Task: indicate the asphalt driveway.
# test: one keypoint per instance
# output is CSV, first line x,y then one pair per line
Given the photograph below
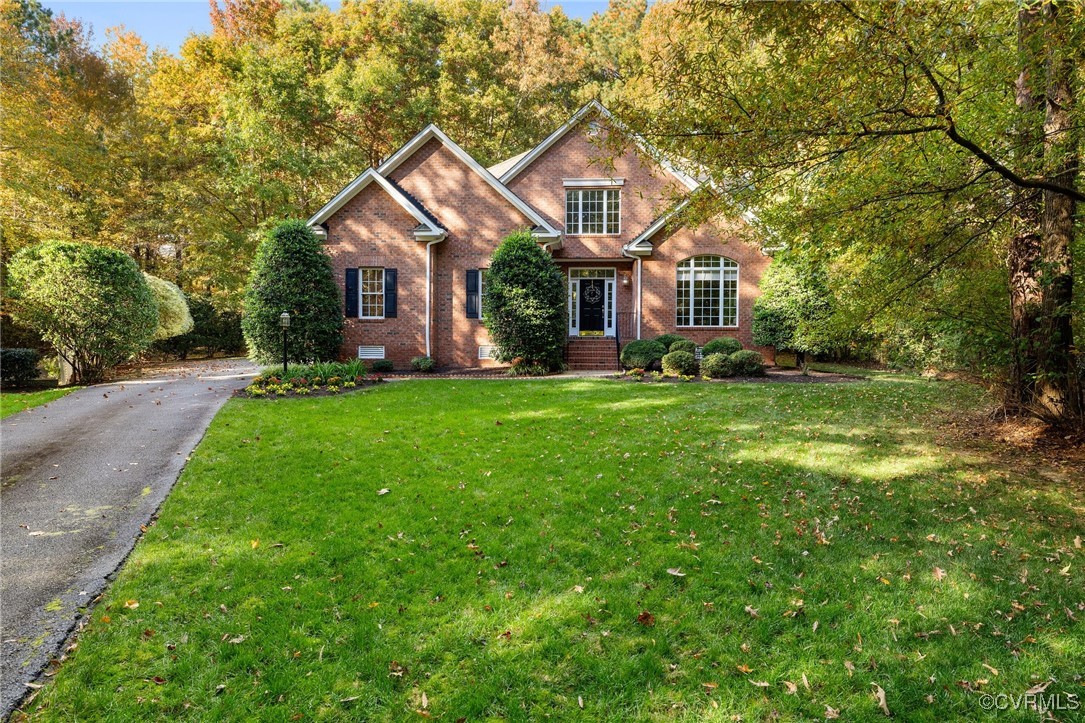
x,y
79,477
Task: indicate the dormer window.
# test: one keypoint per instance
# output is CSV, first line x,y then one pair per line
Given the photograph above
x,y
591,211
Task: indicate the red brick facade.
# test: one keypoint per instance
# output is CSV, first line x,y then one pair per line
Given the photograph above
x,y
375,229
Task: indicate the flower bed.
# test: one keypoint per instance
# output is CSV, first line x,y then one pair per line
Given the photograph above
x,y
317,380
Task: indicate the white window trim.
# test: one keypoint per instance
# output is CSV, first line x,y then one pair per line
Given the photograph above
x,y
738,297
580,211
361,293
592,182
481,293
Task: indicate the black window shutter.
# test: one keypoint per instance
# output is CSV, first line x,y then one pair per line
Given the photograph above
x,y
472,293
351,286
390,293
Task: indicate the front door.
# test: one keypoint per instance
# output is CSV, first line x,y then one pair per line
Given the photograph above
x,y
593,296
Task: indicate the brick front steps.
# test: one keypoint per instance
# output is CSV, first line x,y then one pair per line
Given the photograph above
x,y
592,353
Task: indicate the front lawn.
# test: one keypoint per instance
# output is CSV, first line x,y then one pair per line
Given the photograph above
x,y
12,402
591,550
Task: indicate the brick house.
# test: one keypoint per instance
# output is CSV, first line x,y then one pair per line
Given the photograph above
x,y
411,239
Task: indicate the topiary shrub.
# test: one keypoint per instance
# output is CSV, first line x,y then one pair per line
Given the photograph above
x,y
684,345
292,273
717,366
680,363
423,364
667,339
722,345
90,303
748,363
18,366
174,318
642,354
382,366
524,306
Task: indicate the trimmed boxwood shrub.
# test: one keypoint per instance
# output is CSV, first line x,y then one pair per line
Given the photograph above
x,y
681,363
90,303
722,345
423,364
748,363
174,318
717,366
524,307
642,353
382,365
667,339
684,345
292,273
18,366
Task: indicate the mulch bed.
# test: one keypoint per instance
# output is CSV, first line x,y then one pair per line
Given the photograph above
x,y
774,375
313,392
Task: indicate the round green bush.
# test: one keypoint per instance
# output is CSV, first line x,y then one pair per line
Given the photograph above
x,y
748,363
90,303
717,366
524,306
667,339
423,364
642,353
292,273
680,363
174,318
684,345
382,365
722,345
18,366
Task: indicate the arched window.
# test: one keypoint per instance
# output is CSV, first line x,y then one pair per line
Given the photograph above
x,y
707,292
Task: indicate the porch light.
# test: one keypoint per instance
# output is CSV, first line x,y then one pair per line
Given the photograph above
x,y
625,280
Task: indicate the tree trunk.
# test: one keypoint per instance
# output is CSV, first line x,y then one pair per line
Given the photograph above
x,y
1039,259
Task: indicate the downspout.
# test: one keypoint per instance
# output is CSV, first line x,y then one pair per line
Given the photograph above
x,y
429,289
637,302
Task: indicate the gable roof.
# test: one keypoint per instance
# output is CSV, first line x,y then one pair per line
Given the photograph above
x,y
541,227
428,226
506,164
519,163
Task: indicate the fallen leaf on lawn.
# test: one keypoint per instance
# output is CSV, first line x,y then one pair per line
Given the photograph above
x,y
131,604
1077,542
106,618
743,668
255,544
850,666
219,689
994,671
158,680
710,686
815,628
805,682
939,573
1065,572
425,700
752,611
646,619
1038,688
235,641
676,571
395,670
578,588
383,491
880,695
580,701
759,683
792,689
831,713
351,699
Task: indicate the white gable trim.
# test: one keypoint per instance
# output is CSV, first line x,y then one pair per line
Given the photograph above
x,y
647,148
432,131
641,244
427,229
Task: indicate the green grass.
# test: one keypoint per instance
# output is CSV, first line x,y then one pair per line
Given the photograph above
x,y
529,524
13,402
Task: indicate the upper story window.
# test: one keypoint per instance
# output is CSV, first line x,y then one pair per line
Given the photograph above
x,y
593,211
707,292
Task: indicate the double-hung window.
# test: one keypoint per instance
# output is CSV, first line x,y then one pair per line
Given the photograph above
x,y
707,292
593,211
371,293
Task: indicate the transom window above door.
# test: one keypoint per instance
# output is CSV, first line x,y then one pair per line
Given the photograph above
x,y
593,211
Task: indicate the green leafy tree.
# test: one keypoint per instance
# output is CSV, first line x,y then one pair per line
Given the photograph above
x,y
792,311
90,303
292,273
525,305
174,317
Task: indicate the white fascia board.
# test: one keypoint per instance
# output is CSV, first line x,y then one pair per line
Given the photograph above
x,y
432,131
641,242
428,230
647,148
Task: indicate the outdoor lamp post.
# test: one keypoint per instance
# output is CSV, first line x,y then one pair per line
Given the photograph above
x,y
284,322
